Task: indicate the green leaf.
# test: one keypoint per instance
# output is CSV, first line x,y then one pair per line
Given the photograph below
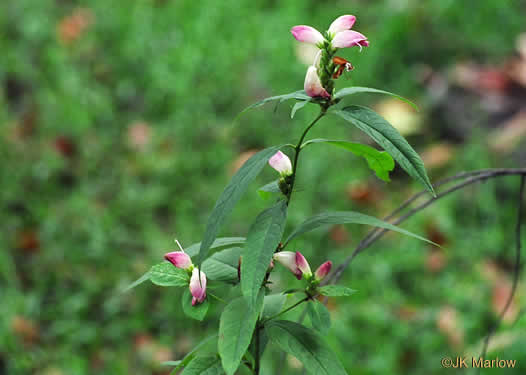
x,y
356,89
298,95
336,291
206,365
262,240
189,356
231,195
306,345
171,363
273,304
379,161
166,274
137,282
197,312
218,244
299,105
236,326
222,266
347,217
319,316
388,137
269,189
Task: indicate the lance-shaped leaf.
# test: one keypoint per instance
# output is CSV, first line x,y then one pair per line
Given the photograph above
x,y
231,195
218,244
298,95
388,137
235,330
299,105
191,355
306,345
346,217
320,317
166,274
262,240
206,365
137,282
266,191
222,266
356,90
273,304
379,161
336,291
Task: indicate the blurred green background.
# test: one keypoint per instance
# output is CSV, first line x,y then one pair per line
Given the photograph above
x,y
117,134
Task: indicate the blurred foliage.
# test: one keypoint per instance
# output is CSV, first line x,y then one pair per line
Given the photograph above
x,y
117,134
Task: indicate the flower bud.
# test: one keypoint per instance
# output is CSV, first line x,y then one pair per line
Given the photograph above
x,y
307,34
281,163
342,23
349,38
312,84
179,259
323,270
288,259
303,265
198,286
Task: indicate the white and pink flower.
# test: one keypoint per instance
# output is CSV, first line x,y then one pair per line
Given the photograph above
x,y
323,270
281,163
198,286
313,86
295,262
339,34
179,259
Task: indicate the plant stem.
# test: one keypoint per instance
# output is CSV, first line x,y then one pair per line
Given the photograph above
x,y
297,150
257,365
286,310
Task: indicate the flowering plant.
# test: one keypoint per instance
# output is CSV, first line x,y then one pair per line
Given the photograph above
x,y
253,319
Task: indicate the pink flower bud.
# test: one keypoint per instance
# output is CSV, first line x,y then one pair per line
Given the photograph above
x,y
302,264
179,259
281,163
288,259
307,34
342,23
312,84
198,286
323,270
349,38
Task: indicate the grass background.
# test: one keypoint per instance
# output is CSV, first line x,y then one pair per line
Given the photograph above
x,y
117,134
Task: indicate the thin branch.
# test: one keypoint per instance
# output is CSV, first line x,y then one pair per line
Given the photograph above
x,y
468,178
516,270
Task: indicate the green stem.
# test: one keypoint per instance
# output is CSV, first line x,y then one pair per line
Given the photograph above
x,y
257,364
286,310
297,150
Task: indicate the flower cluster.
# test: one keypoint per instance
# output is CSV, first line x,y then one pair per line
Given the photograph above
x,y
197,279
298,265
318,80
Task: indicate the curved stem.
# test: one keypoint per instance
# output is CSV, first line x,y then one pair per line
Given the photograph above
x,y
286,310
297,150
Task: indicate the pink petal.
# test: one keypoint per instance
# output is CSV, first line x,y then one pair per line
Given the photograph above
x,y
302,264
312,84
179,259
323,270
198,287
349,38
342,23
307,34
288,259
281,163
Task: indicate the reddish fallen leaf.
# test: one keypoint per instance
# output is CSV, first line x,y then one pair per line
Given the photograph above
x,y
436,260
240,160
501,292
407,313
26,329
65,146
364,193
73,26
438,155
339,234
139,135
28,241
448,324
